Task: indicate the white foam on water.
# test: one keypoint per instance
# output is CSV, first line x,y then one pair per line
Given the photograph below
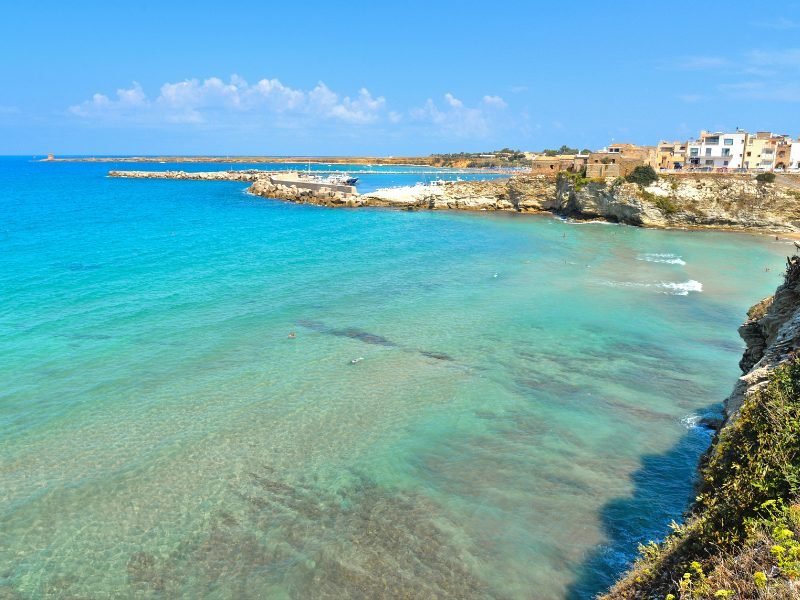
x,y
681,289
691,421
587,221
668,287
669,259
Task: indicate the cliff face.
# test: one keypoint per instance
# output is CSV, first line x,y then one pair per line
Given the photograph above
x,y
518,194
615,201
741,538
713,201
772,334
718,201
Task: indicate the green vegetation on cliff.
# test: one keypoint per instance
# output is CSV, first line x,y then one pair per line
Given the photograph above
x,y
507,157
742,538
767,177
643,175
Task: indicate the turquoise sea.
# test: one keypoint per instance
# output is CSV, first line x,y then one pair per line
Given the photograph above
x,y
472,406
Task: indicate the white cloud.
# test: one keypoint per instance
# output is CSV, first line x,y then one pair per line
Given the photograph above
x,y
455,117
494,101
700,63
270,102
195,101
762,90
280,97
780,23
127,99
452,101
786,58
362,109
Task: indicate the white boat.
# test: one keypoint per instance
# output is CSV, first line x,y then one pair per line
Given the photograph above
x,y
337,179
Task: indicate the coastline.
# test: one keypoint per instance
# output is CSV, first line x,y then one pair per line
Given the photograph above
x,y
411,161
406,299
734,539
689,202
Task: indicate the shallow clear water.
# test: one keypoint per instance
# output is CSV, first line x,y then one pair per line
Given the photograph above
x,y
474,405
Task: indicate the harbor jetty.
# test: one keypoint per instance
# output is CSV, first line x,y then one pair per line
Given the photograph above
x,y
290,185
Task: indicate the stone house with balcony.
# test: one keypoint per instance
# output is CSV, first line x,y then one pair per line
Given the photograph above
x,y
783,150
670,155
759,154
766,151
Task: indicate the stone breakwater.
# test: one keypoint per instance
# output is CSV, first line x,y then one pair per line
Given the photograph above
x,y
232,175
705,201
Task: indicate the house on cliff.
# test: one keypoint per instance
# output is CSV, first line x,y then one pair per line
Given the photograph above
x,y
794,155
670,155
542,164
718,150
619,160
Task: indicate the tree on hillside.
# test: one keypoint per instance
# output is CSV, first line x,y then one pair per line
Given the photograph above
x,y
644,175
767,177
563,150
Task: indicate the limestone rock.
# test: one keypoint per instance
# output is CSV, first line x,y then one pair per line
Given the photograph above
x,y
772,334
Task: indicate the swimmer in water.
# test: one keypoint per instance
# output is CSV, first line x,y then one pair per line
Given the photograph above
x,y
292,335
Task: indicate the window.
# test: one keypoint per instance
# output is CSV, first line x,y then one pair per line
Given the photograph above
x,y
726,152
710,162
749,154
728,141
694,151
725,163
712,141
708,151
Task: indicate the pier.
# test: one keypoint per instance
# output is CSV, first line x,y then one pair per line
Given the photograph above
x,y
285,185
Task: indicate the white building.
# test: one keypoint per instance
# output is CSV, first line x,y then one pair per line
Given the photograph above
x,y
717,150
794,156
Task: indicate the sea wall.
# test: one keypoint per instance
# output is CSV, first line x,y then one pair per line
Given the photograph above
x,y
231,175
741,537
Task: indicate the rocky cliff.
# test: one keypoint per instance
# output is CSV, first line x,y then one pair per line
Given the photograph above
x,y
713,200
720,201
741,538
710,201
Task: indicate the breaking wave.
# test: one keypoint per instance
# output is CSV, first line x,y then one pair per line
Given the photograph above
x,y
669,259
666,287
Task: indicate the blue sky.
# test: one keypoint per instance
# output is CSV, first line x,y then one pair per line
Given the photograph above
x,y
388,78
